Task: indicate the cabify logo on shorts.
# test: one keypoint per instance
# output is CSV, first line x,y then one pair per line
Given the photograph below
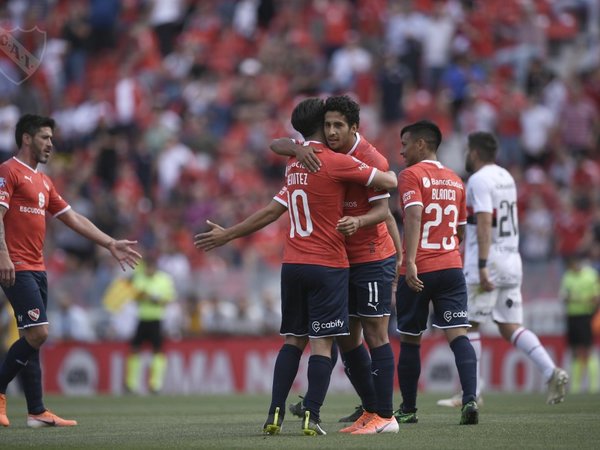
x,y
449,315
316,326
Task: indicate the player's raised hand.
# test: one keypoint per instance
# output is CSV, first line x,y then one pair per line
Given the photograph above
x,y
214,238
348,225
123,251
307,156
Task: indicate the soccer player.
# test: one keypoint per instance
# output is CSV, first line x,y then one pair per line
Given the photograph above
x,y
314,277
493,268
26,195
433,201
372,255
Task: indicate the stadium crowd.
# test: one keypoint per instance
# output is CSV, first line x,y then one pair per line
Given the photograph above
x,y
166,108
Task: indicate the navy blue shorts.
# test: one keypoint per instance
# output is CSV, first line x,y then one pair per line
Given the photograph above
x,y
29,298
370,292
314,300
447,291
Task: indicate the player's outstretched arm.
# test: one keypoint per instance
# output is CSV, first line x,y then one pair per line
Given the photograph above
x,y
304,153
218,236
348,225
122,250
384,180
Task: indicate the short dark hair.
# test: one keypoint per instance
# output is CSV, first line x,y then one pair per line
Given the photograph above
x,y
308,116
484,144
31,124
426,130
345,106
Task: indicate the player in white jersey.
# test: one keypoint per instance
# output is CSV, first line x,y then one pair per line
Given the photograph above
x,y
492,264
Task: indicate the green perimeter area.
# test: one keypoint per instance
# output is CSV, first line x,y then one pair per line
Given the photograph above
x,y
507,421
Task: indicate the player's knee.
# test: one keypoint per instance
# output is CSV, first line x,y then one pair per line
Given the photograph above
x,y
350,342
297,341
375,332
36,336
507,330
376,338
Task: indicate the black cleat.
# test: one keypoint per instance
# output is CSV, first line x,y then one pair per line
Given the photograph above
x,y
354,416
297,409
469,414
273,423
310,426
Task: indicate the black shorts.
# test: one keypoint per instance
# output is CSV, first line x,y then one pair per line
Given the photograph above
x,y
29,298
579,331
445,289
314,300
370,291
148,331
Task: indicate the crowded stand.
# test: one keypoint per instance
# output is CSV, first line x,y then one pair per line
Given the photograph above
x,y
166,109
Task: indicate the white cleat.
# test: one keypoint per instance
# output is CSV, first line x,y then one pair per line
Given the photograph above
x,y
557,386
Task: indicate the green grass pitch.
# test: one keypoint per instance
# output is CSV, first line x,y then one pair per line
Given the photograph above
x,y
507,421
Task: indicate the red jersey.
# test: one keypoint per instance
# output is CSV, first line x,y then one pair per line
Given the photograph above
x,y
441,193
315,204
27,194
372,243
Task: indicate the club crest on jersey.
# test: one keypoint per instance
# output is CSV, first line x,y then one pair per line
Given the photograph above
x,y
34,314
407,196
2,182
41,200
426,182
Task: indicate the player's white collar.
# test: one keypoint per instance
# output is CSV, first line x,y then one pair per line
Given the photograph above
x,y
353,149
431,161
25,164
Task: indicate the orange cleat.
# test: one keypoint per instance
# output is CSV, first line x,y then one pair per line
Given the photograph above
x,y
48,419
378,425
360,422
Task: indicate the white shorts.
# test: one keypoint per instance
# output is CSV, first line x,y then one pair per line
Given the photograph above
x,y
503,304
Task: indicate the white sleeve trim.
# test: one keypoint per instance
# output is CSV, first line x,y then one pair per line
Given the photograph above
x,y
6,205
277,199
413,204
379,197
62,211
372,176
